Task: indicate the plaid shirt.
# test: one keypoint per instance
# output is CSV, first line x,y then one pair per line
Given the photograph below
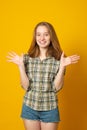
x,y
41,94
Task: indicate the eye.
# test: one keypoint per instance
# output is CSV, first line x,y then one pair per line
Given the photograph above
x,y
46,34
38,34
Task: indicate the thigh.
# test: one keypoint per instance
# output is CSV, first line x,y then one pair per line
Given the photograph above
x,y
49,126
31,125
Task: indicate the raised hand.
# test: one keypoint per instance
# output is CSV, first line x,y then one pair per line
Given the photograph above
x,y
15,58
65,61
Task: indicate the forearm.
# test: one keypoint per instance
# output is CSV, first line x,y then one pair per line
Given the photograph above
x,y
23,77
59,79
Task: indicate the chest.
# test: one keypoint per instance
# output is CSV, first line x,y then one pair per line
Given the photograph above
x,y
46,69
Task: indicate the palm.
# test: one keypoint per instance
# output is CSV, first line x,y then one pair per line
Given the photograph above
x,y
13,57
65,61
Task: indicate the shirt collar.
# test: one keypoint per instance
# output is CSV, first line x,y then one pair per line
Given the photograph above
x,y
48,57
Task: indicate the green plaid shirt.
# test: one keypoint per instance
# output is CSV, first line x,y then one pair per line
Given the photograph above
x,y
41,94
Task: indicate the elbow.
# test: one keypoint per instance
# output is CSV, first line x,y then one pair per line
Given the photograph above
x,y
25,85
58,87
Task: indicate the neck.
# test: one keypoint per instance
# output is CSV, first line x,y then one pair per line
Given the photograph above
x,y
43,53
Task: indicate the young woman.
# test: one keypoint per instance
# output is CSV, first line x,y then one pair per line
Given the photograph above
x,y
42,72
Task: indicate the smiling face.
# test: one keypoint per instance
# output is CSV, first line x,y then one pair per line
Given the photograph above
x,y
42,36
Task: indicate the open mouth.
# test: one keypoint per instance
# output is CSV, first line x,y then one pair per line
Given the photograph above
x,y
43,42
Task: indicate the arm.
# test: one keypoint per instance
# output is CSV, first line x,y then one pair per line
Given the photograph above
x,y
64,61
59,79
24,81
18,60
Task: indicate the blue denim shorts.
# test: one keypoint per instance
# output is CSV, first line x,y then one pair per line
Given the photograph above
x,y
44,116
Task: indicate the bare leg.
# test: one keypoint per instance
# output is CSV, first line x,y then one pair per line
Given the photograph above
x,y
31,125
49,126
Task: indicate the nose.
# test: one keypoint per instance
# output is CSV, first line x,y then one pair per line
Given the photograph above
x,y
42,37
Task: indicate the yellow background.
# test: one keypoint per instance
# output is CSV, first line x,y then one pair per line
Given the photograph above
x,y
17,21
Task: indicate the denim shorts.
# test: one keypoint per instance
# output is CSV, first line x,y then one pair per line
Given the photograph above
x,y
44,116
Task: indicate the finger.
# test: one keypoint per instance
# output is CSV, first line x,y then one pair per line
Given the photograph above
x,y
74,56
10,54
14,53
62,54
74,62
9,57
10,61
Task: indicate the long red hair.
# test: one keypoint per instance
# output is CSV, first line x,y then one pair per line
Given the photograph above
x,y
54,48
